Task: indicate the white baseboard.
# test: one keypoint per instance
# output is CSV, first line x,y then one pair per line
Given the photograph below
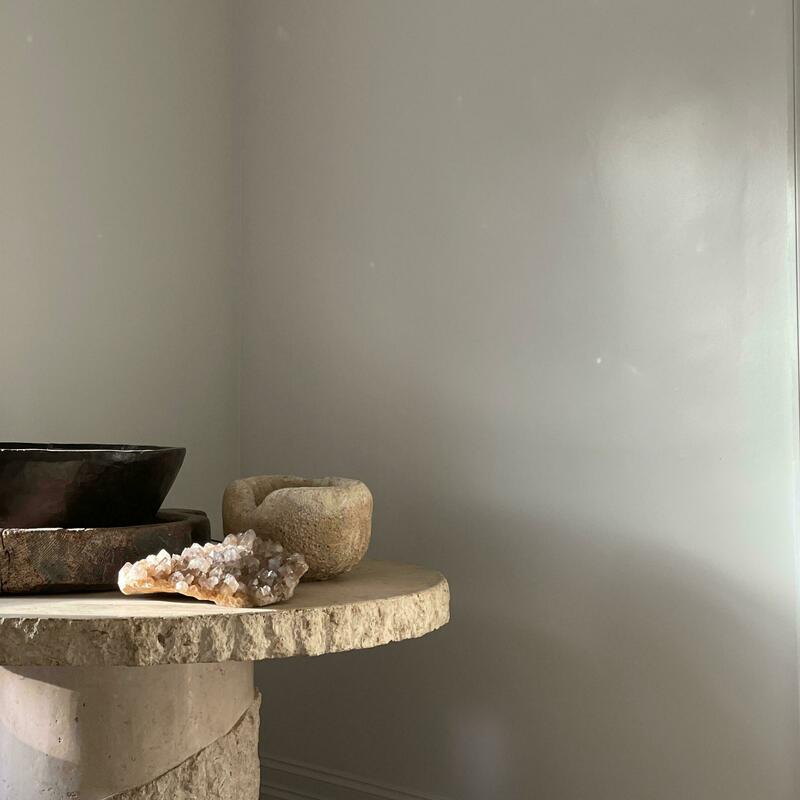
x,y
284,779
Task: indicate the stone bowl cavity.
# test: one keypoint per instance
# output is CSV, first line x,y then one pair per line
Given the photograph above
x,y
328,520
84,485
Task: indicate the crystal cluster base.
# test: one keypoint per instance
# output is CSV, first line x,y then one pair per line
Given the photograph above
x,y
242,571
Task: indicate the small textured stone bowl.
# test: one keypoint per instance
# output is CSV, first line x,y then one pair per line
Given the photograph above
x,y
328,520
84,485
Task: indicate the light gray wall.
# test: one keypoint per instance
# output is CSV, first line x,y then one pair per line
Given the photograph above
x,y
526,269
119,230
523,267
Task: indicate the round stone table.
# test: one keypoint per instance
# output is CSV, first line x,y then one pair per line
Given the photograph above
x,y
106,696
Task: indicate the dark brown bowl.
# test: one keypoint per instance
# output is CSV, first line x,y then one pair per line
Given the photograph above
x,y
84,485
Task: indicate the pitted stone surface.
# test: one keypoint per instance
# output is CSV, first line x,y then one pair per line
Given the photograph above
x,y
228,769
377,603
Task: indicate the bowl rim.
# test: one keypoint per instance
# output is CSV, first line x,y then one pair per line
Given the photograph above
x,y
84,447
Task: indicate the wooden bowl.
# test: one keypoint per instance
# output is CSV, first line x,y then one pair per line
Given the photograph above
x,y
84,485
40,560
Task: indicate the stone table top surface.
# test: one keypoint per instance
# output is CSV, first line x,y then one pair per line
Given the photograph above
x,y
377,603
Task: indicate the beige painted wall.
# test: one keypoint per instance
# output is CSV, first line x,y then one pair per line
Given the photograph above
x,y
118,229
526,269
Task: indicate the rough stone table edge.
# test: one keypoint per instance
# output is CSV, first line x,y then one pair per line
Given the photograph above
x,y
147,641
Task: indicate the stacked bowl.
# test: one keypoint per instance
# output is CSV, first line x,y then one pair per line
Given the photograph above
x,y
72,514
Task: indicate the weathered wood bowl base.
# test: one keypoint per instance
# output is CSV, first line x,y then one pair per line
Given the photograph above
x,y
38,560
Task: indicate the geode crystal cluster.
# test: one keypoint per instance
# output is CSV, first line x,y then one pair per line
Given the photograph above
x,y
241,571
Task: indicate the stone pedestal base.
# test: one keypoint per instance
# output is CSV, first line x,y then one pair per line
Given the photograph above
x,y
177,731
102,696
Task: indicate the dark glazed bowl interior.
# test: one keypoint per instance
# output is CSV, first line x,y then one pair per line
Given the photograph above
x,y
84,485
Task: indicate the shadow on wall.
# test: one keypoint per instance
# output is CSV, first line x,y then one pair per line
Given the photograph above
x,y
600,668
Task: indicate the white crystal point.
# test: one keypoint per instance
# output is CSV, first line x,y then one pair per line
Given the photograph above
x,y
241,571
